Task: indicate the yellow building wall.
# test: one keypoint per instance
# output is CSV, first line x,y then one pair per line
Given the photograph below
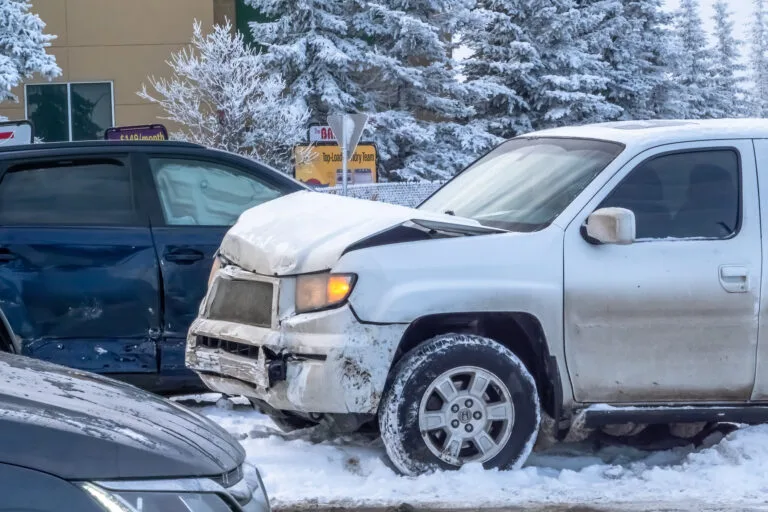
x,y
122,41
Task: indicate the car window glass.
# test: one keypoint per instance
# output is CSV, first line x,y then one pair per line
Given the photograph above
x,y
683,195
198,193
87,192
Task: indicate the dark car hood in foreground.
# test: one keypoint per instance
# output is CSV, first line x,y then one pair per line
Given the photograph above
x,y
78,425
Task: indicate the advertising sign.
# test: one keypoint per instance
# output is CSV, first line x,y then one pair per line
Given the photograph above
x,y
321,133
145,132
16,133
320,165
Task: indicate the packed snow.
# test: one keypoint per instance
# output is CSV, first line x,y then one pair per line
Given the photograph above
x,y
306,469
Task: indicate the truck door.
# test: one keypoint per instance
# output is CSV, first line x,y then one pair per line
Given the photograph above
x,y
79,280
671,317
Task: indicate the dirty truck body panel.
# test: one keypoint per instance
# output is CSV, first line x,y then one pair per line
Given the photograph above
x,y
671,318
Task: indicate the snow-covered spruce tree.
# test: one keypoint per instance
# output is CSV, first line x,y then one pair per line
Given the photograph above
x,y
759,58
23,46
311,43
505,57
540,50
729,79
422,122
634,40
390,59
222,97
694,64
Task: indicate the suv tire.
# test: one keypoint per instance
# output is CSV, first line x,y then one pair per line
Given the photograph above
x,y
457,399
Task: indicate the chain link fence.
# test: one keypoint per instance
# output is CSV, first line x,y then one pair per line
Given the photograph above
x,y
410,193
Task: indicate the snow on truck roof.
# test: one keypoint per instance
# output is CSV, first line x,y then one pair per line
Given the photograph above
x,y
648,133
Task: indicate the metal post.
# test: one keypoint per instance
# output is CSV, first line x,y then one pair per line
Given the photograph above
x,y
344,170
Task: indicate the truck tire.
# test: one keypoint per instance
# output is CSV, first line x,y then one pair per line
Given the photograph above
x,y
458,399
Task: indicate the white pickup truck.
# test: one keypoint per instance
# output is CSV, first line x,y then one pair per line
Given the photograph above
x,y
602,275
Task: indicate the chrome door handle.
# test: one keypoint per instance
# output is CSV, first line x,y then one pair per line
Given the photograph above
x,y
734,279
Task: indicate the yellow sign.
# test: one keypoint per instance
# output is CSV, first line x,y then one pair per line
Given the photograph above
x,y
320,164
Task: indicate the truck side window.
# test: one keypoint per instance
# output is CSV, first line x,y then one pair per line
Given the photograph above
x,y
199,193
694,194
90,192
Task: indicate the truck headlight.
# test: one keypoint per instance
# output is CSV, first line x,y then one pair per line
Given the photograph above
x,y
214,269
322,291
146,501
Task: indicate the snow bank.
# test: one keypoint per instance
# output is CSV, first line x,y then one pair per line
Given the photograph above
x,y
353,472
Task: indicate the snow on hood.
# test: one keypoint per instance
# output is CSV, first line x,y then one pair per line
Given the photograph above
x,y
308,231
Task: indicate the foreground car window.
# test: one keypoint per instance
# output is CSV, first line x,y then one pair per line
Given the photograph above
x,y
524,184
198,193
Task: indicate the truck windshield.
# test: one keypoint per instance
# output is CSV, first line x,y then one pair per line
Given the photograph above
x,y
525,183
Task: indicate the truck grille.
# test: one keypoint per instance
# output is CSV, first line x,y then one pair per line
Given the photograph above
x,y
244,302
231,347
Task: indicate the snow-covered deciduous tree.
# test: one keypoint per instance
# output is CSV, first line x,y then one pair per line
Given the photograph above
x,y
693,65
759,58
223,97
23,45
729,80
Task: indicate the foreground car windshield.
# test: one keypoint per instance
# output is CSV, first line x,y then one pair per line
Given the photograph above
x,y
524,184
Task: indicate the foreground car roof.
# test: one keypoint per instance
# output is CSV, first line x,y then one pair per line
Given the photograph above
x,y
650,133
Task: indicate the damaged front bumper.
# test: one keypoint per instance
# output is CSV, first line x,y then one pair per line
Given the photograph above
x,y
325,362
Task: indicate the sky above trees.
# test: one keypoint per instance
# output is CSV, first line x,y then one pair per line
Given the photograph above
x,y
741,9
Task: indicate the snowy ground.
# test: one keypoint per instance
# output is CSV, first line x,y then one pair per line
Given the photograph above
x,y
725,474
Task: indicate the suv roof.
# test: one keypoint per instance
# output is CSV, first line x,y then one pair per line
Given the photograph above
x,y
98,143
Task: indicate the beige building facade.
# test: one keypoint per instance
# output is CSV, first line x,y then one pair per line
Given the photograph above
x,y
106,50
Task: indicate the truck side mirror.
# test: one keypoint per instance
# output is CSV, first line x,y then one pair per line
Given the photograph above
x,y
610,226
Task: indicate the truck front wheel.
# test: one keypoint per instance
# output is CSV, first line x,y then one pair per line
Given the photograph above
x,y
459,399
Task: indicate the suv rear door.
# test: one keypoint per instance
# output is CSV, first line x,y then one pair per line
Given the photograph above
x,y
197,195
78,273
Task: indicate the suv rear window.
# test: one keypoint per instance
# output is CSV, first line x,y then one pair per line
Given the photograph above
x,y
89,192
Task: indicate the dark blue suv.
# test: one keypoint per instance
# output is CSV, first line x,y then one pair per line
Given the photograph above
x,y
106,247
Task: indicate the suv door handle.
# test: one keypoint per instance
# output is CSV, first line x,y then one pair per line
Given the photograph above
x,y
6,255
183,256
734,279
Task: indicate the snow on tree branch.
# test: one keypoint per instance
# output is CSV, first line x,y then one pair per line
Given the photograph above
x,y
22,47
223,97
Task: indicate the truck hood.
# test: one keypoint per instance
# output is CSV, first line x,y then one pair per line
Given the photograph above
x,y
81,426
309,231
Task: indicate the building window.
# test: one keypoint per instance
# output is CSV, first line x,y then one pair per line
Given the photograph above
x,y
74,111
